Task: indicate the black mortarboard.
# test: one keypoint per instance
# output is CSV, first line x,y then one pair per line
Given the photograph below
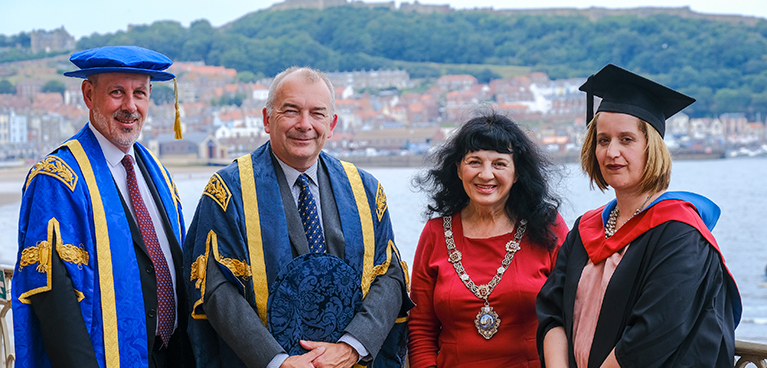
x,y
625,92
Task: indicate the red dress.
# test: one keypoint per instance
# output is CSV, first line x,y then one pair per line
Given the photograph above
x,y
441,326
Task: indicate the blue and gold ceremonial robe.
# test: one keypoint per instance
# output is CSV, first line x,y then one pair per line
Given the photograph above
x,y
240,224
72,206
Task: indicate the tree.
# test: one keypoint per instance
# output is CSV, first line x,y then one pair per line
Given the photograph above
x,y
162,94
6,87
227,100
731,100
54,86
247,77
684,53
486,75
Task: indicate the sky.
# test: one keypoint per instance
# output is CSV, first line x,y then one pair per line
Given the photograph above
x,y
84,17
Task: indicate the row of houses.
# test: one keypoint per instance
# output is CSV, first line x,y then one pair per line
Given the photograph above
x,y
376,114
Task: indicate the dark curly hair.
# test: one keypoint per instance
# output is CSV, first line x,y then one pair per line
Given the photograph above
x,y
530,197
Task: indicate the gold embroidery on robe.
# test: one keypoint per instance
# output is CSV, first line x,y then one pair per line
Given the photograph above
x,y
383,267
199,273
237,267
40,254
380,202
217,190
55,167
73,254
199,270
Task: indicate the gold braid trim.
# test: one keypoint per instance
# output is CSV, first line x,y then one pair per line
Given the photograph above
x,y
199,270
366,225
103,257
237,267
380,202
175,193
383,267
253,234
40,253
405,269
407,283
72,254
198,273
55,167
217,190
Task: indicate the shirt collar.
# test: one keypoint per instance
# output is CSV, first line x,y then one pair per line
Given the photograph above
x,y
292,174
111,152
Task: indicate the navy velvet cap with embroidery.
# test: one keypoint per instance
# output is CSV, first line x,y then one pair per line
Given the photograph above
x,y
121,59
313,298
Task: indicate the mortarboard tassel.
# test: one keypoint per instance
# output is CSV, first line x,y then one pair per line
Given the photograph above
x,y
177,122
589,105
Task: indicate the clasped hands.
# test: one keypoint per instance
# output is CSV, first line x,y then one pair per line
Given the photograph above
x,y
323,355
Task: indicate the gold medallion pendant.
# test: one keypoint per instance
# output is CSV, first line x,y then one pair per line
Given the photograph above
x,y
487,322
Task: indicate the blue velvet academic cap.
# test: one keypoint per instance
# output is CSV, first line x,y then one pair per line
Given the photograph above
x,y
121,59
625,92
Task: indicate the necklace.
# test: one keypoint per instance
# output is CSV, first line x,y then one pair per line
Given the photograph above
x,y
610,227
487,321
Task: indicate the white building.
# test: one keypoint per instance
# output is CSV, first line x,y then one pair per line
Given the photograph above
x,y
4,127
17,126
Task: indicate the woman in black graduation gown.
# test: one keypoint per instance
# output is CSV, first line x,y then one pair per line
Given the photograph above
x,y
639,282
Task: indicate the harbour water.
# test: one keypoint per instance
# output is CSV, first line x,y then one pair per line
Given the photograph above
x,y
738,186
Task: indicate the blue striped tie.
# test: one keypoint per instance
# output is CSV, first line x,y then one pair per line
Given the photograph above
x,y
307,208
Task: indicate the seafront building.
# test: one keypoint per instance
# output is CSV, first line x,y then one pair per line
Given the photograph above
x,y
382,113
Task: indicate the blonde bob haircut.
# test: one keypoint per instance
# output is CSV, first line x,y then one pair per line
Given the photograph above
x,y
657,170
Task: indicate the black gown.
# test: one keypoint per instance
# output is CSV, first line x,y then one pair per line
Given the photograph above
x,y
670,303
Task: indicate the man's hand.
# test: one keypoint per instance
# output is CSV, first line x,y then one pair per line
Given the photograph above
x,y
303,361
339,355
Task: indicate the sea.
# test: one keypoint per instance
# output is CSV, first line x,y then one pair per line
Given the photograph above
x,y
737,185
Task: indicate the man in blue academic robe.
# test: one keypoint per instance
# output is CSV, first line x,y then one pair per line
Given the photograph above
x,y
98,278
291,252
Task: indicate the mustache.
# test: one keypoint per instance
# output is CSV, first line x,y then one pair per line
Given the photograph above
x,y
297,135
126,115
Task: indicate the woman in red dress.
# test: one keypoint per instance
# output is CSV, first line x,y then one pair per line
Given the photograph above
x,y
480,264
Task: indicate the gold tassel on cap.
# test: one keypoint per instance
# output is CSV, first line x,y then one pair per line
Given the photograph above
x,y
177,123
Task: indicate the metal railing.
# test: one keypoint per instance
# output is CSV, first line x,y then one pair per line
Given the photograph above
x,y
745,352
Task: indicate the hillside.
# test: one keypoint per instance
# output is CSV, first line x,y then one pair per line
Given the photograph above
x,y
721,60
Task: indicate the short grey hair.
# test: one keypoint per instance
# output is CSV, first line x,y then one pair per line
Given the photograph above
x,y
310,75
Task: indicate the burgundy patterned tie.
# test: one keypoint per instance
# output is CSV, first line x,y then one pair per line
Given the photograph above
x,y
165,295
